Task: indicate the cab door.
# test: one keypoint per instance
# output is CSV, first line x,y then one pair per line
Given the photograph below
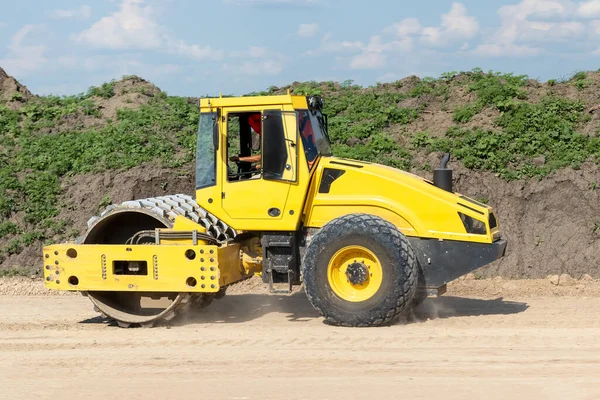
x,y
263,196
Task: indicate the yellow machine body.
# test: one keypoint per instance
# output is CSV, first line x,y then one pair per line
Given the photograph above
x,y
414,205
288,193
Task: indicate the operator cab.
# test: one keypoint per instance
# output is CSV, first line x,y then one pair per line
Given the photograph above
x,y
255,154
245,142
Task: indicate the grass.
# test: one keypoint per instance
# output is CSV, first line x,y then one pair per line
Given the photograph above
x,y
495,90
465,114
580,80
524,132
35,155
359,119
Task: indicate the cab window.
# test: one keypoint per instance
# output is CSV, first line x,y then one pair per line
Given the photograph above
x,y
308,137
207,144
257,146
244,145
274,145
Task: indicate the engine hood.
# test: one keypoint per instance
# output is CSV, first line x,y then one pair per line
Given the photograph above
x,y
414,204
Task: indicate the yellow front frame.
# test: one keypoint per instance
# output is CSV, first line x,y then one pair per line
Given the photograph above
x,y
169,269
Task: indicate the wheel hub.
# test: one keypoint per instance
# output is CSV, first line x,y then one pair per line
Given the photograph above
x,y
357,273
354,273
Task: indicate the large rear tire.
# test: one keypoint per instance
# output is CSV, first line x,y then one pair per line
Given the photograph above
x,y
360,270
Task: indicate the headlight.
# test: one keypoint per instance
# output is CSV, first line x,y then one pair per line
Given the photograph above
x,y
472,225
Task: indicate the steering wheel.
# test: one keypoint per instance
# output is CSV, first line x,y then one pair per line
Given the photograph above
x,y
253,170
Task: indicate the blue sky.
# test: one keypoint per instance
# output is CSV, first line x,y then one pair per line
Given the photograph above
x,y
192,48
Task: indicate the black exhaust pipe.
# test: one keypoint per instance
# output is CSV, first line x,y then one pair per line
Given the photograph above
x,y
442,176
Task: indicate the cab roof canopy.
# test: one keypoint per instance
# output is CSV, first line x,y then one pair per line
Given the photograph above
x,y
297,101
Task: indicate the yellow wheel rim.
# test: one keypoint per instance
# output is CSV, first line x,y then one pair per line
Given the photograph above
x,y
354,274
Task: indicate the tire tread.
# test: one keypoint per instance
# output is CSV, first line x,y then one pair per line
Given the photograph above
x,y
388,236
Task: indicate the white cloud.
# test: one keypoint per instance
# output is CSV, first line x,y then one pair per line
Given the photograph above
x,y
194,51
23,57
260,3
507,49
432,36
83,12
132,26
373,55
126,64
257,52
456,25
250,52
255,61
91,63
368,61
589,9
552,30
308,30
341,47
329,45
255,67
407,27
149,71
529,26
535,8
595,27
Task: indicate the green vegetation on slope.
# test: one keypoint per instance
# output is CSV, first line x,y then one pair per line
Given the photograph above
x,y
49,138
35,155
524,131
500,91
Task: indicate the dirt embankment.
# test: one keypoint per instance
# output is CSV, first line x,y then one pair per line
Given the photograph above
x,y
83,195
553,224
12,92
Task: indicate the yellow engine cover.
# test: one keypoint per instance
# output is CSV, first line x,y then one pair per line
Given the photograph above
x,y
411,203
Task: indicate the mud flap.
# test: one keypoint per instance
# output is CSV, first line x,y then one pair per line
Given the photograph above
x,y
443,261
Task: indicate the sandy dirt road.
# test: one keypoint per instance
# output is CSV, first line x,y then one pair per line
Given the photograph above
x,y
258,346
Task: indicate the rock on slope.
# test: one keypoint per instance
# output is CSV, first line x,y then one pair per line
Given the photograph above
x,y
11,90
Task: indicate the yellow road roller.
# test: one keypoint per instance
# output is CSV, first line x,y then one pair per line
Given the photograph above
x,y
368,242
